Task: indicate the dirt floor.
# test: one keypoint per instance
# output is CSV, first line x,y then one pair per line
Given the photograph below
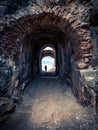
x,y
48,104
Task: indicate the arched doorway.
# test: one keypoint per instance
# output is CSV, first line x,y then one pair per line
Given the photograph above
x,y
48,60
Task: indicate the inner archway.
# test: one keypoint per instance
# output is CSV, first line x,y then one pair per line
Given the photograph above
x,y
48,60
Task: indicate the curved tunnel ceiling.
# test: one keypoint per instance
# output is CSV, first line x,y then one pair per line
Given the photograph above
x,y
47,35
44,29
50,53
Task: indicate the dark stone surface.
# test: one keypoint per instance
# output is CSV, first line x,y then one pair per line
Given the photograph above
x,y
11,6
5,74
6,108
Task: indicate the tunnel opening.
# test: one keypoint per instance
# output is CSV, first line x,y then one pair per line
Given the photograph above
x,y
48,60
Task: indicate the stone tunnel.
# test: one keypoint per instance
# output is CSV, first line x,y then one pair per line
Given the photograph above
x,y
69,28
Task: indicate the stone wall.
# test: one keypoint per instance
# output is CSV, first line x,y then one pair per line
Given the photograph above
x,y
11,6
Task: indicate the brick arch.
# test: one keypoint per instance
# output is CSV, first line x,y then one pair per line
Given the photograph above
x,y
61,21
77,33
77,38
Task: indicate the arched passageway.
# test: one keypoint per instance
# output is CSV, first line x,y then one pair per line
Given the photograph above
x,y
33,48
23,49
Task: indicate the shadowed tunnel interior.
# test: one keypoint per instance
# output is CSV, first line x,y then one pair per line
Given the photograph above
x,y
32,51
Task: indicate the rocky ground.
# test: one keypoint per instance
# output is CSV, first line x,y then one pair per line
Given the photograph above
x,y
49,104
